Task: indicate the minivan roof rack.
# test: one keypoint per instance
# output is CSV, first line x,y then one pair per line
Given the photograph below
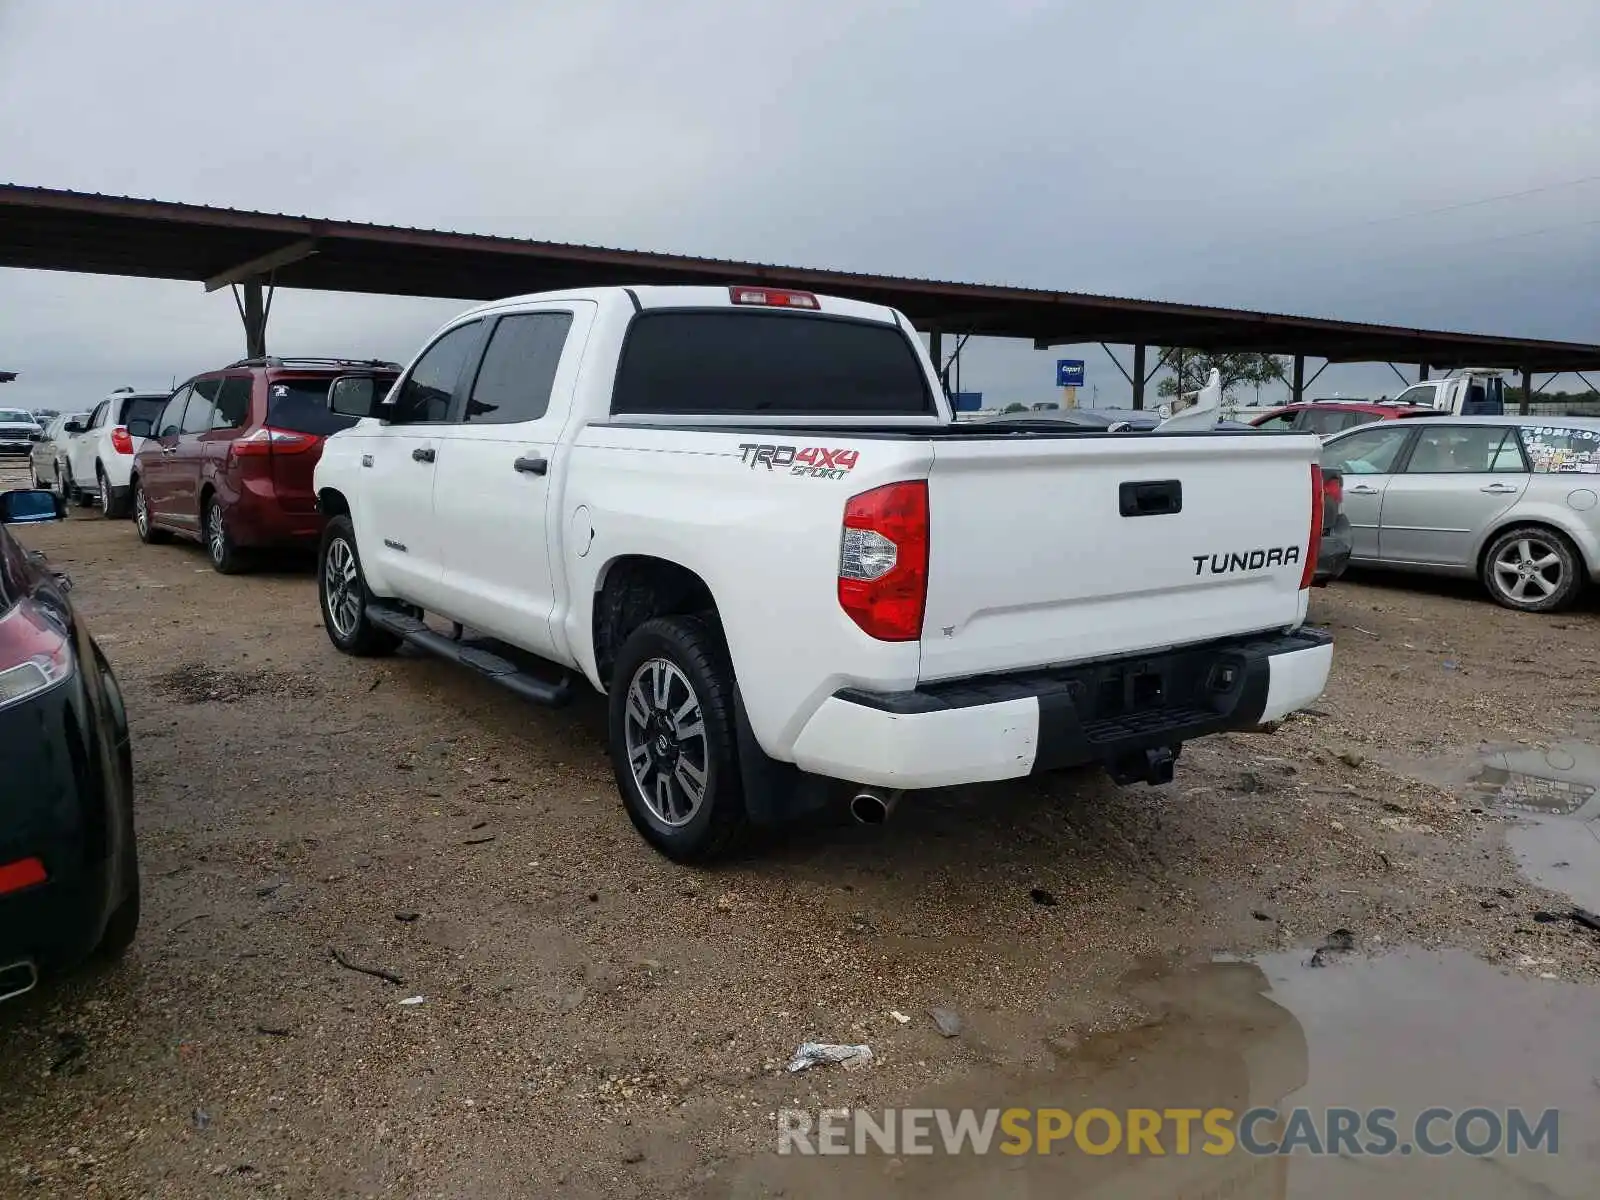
x,y
300,361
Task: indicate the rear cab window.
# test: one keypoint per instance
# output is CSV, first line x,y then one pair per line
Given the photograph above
x,y
299,404
762,363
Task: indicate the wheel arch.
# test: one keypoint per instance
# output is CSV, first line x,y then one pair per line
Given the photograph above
x,y
1502,527
631,589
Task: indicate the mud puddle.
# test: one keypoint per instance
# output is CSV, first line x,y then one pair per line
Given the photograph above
x,y
1554,794
1408,1032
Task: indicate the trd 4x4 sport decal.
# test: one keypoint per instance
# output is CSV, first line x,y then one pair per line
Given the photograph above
x,y
818,462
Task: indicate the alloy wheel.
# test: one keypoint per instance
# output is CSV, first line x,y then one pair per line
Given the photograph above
x,y
141,514
216,536
341,588
665,735
1528,570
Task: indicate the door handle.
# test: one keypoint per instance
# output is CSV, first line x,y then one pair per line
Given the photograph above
x,y
1363,490
423,454
1498,489
532,464
169,449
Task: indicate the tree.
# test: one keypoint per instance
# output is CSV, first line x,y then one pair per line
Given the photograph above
x,y
1014,407
1236,369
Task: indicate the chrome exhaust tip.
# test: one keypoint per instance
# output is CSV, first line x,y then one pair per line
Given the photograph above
x,y
871,807
18,978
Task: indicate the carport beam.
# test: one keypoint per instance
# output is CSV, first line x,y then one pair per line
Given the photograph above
x,y
254,311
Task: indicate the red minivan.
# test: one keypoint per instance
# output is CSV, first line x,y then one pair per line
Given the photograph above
x,y
230,459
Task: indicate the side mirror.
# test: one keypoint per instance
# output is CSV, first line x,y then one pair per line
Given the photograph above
x,y
139,427
36,436
354,395
27,506
72,427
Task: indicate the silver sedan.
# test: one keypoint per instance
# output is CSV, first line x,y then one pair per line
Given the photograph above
x,y
1514,501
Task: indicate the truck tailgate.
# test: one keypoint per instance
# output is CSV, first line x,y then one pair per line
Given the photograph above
x,y
1033,561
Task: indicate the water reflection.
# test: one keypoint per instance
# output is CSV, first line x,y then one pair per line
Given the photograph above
x,y
1406,1031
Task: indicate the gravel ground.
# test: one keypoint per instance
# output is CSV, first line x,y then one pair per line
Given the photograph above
x,y
597,1021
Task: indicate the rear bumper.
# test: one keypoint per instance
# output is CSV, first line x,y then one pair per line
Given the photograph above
x,y
1002,727
62,801
257,518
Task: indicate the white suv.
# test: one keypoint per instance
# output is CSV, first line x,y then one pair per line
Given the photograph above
x,y
96,465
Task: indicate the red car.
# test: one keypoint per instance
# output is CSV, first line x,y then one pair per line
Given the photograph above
x,y
229,461
1324,417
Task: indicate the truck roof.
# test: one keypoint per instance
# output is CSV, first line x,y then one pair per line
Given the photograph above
x,y
646,297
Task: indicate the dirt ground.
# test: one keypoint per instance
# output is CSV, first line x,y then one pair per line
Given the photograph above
x,y
596,1021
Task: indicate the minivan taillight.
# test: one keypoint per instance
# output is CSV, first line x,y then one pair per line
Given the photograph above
x,y
883,560
1308,572
121,442
267,440
34,653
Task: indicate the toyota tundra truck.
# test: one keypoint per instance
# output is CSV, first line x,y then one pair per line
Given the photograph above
x,y
747,516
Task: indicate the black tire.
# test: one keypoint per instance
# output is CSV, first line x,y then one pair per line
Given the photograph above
x,y
225,556
58,485
148,533
80,496
69,488
349,628
713,826
1532,568
123,924
110,507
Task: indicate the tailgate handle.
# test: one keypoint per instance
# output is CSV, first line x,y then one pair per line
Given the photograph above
x,y
1151,497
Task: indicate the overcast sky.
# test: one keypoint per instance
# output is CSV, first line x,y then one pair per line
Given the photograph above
x,y
1286,155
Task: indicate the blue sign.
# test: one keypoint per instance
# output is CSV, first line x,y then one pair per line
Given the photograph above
x,y
1069,372
966,401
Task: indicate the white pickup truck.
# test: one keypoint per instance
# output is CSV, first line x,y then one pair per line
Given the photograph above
x,y
748,517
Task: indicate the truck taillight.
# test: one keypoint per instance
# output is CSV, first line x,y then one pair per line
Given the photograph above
x,y
120,441
1310,569
773,297
883,560
34,653
267,440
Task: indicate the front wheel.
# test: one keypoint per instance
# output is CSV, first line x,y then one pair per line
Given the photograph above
x,y
672,739
1533,569
343,589
142,522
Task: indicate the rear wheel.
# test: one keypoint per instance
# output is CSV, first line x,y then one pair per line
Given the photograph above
x,y
110,506
343,589
148,533
226,557
1533,569
672,739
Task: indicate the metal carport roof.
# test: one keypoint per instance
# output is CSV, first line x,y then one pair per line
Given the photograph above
x,y
46,229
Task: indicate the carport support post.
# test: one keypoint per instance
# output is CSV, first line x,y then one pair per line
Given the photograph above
x,y
936,352
1422,373
1299,378
1527,392
255,320
1138,375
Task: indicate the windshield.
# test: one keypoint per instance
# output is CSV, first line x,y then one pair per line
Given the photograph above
x,y
16,416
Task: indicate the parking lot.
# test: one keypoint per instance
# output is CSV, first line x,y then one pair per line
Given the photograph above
x,y
595,1020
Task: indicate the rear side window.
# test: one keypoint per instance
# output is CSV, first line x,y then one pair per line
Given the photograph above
x,y
519,367
768,363
142,412
233,403
301,406
1562,450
